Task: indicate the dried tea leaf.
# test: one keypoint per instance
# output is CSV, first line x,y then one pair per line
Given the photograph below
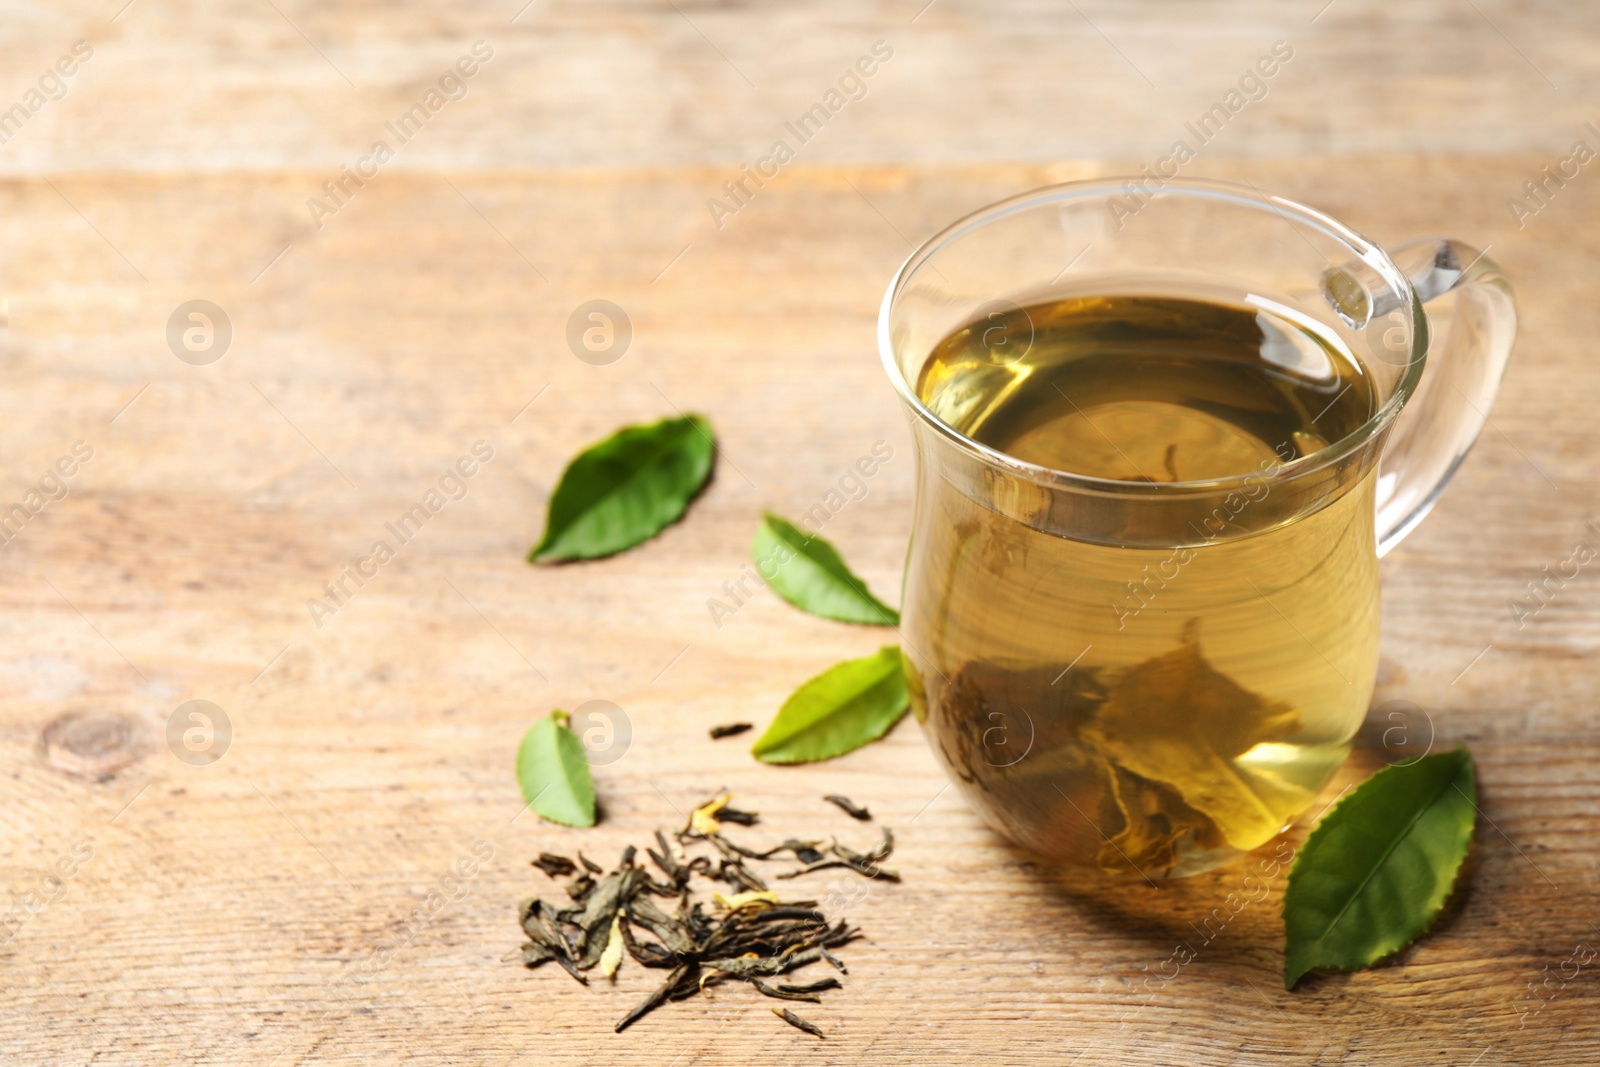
x,y
677,940
703,820
838,711
1177,721
572,969
626,489
804,851
809,573
867,870
611,958
594,918
669,861
535,955
750,937
553,771
537,923
783,992
798,1023
555,866
1377,869
736,874
745,899
880,852
731,729
849,807
647,953
764,966
734,815
683,975
820,986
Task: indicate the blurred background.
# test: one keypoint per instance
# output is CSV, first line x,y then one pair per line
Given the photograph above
x,y
271,85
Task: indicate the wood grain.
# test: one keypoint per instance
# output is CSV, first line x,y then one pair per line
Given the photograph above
x,y
273,907
181,85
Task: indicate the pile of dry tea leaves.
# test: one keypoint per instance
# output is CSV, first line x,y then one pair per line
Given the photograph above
x,y
748,936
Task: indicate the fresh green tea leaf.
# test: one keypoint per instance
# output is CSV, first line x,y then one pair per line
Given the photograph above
x,y
1376,871
626,489
553,771
809,573
838,711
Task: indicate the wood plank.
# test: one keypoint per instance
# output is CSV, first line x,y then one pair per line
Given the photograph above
x,y
232,912
183,85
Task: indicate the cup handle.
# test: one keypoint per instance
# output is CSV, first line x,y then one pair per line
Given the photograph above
x,y
1466,359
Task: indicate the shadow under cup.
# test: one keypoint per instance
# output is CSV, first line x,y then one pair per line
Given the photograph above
x,y
1152,678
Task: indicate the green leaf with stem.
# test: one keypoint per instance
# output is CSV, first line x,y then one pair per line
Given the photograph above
x,y
553,770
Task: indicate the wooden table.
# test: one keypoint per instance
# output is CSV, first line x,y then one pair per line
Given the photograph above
x,y
291,902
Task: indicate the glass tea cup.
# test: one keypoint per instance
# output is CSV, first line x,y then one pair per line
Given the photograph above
x,y
1153,677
